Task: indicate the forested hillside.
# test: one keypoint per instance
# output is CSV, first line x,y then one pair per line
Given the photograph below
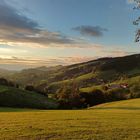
x,y
84,84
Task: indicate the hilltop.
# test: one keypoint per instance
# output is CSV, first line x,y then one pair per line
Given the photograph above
x,y
104,80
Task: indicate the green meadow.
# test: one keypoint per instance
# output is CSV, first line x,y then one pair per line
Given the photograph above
x,y
111,121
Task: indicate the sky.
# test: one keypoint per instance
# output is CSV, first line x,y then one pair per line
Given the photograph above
x,y
36,33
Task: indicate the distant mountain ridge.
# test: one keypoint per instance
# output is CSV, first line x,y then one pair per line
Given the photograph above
x,y
84,74
5,72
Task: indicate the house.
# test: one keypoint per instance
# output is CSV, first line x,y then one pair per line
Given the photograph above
x,y
114,86
124,85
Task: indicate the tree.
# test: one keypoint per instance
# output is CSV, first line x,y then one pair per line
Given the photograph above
x,y
96,96
69,97
4,82
29,88
36,89
137,21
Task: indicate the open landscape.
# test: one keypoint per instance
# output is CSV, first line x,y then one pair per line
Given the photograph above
x,y
112,121
69,70
99,106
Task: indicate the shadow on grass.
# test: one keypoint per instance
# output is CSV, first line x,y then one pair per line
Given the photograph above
x,y
7,109
125,108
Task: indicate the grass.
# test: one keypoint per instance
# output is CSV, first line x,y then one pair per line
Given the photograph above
x,y
131,104
96,123
134,72
13,97
8,109
90,89
85,77
132,81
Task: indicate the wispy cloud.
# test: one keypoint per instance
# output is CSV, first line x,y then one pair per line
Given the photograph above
x,y
17,28
30,62
93,31
18,63
49,61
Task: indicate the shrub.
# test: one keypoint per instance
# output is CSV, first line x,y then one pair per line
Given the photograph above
x,y
29,88
69,97
135,91
117,94
93,98
4,82
36,89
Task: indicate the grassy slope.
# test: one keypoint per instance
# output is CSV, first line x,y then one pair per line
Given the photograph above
x,y
97,124
127,104
130,81
111,70
13,97
83,74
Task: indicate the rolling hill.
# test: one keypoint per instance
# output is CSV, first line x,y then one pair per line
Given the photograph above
x,y
14,97
116,78
84,75
5,72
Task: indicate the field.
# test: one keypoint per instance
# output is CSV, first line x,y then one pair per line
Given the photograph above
x,y
111,121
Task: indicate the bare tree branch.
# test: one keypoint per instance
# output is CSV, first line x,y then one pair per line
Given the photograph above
x,y
137,21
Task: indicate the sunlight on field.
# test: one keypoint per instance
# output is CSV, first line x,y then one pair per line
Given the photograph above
x,y
92,124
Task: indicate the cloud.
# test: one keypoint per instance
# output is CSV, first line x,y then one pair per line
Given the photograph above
x,y
18,63
93,31
17,28
115,53
130,1
49,61
11,17
79,45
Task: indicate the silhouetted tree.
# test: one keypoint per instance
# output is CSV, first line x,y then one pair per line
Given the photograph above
x,y
137,21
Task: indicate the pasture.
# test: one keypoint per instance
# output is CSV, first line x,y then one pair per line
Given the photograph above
x,y
111,121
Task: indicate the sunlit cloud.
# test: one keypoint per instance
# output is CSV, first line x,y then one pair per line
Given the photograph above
x,y
48,61
16,28
29,62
